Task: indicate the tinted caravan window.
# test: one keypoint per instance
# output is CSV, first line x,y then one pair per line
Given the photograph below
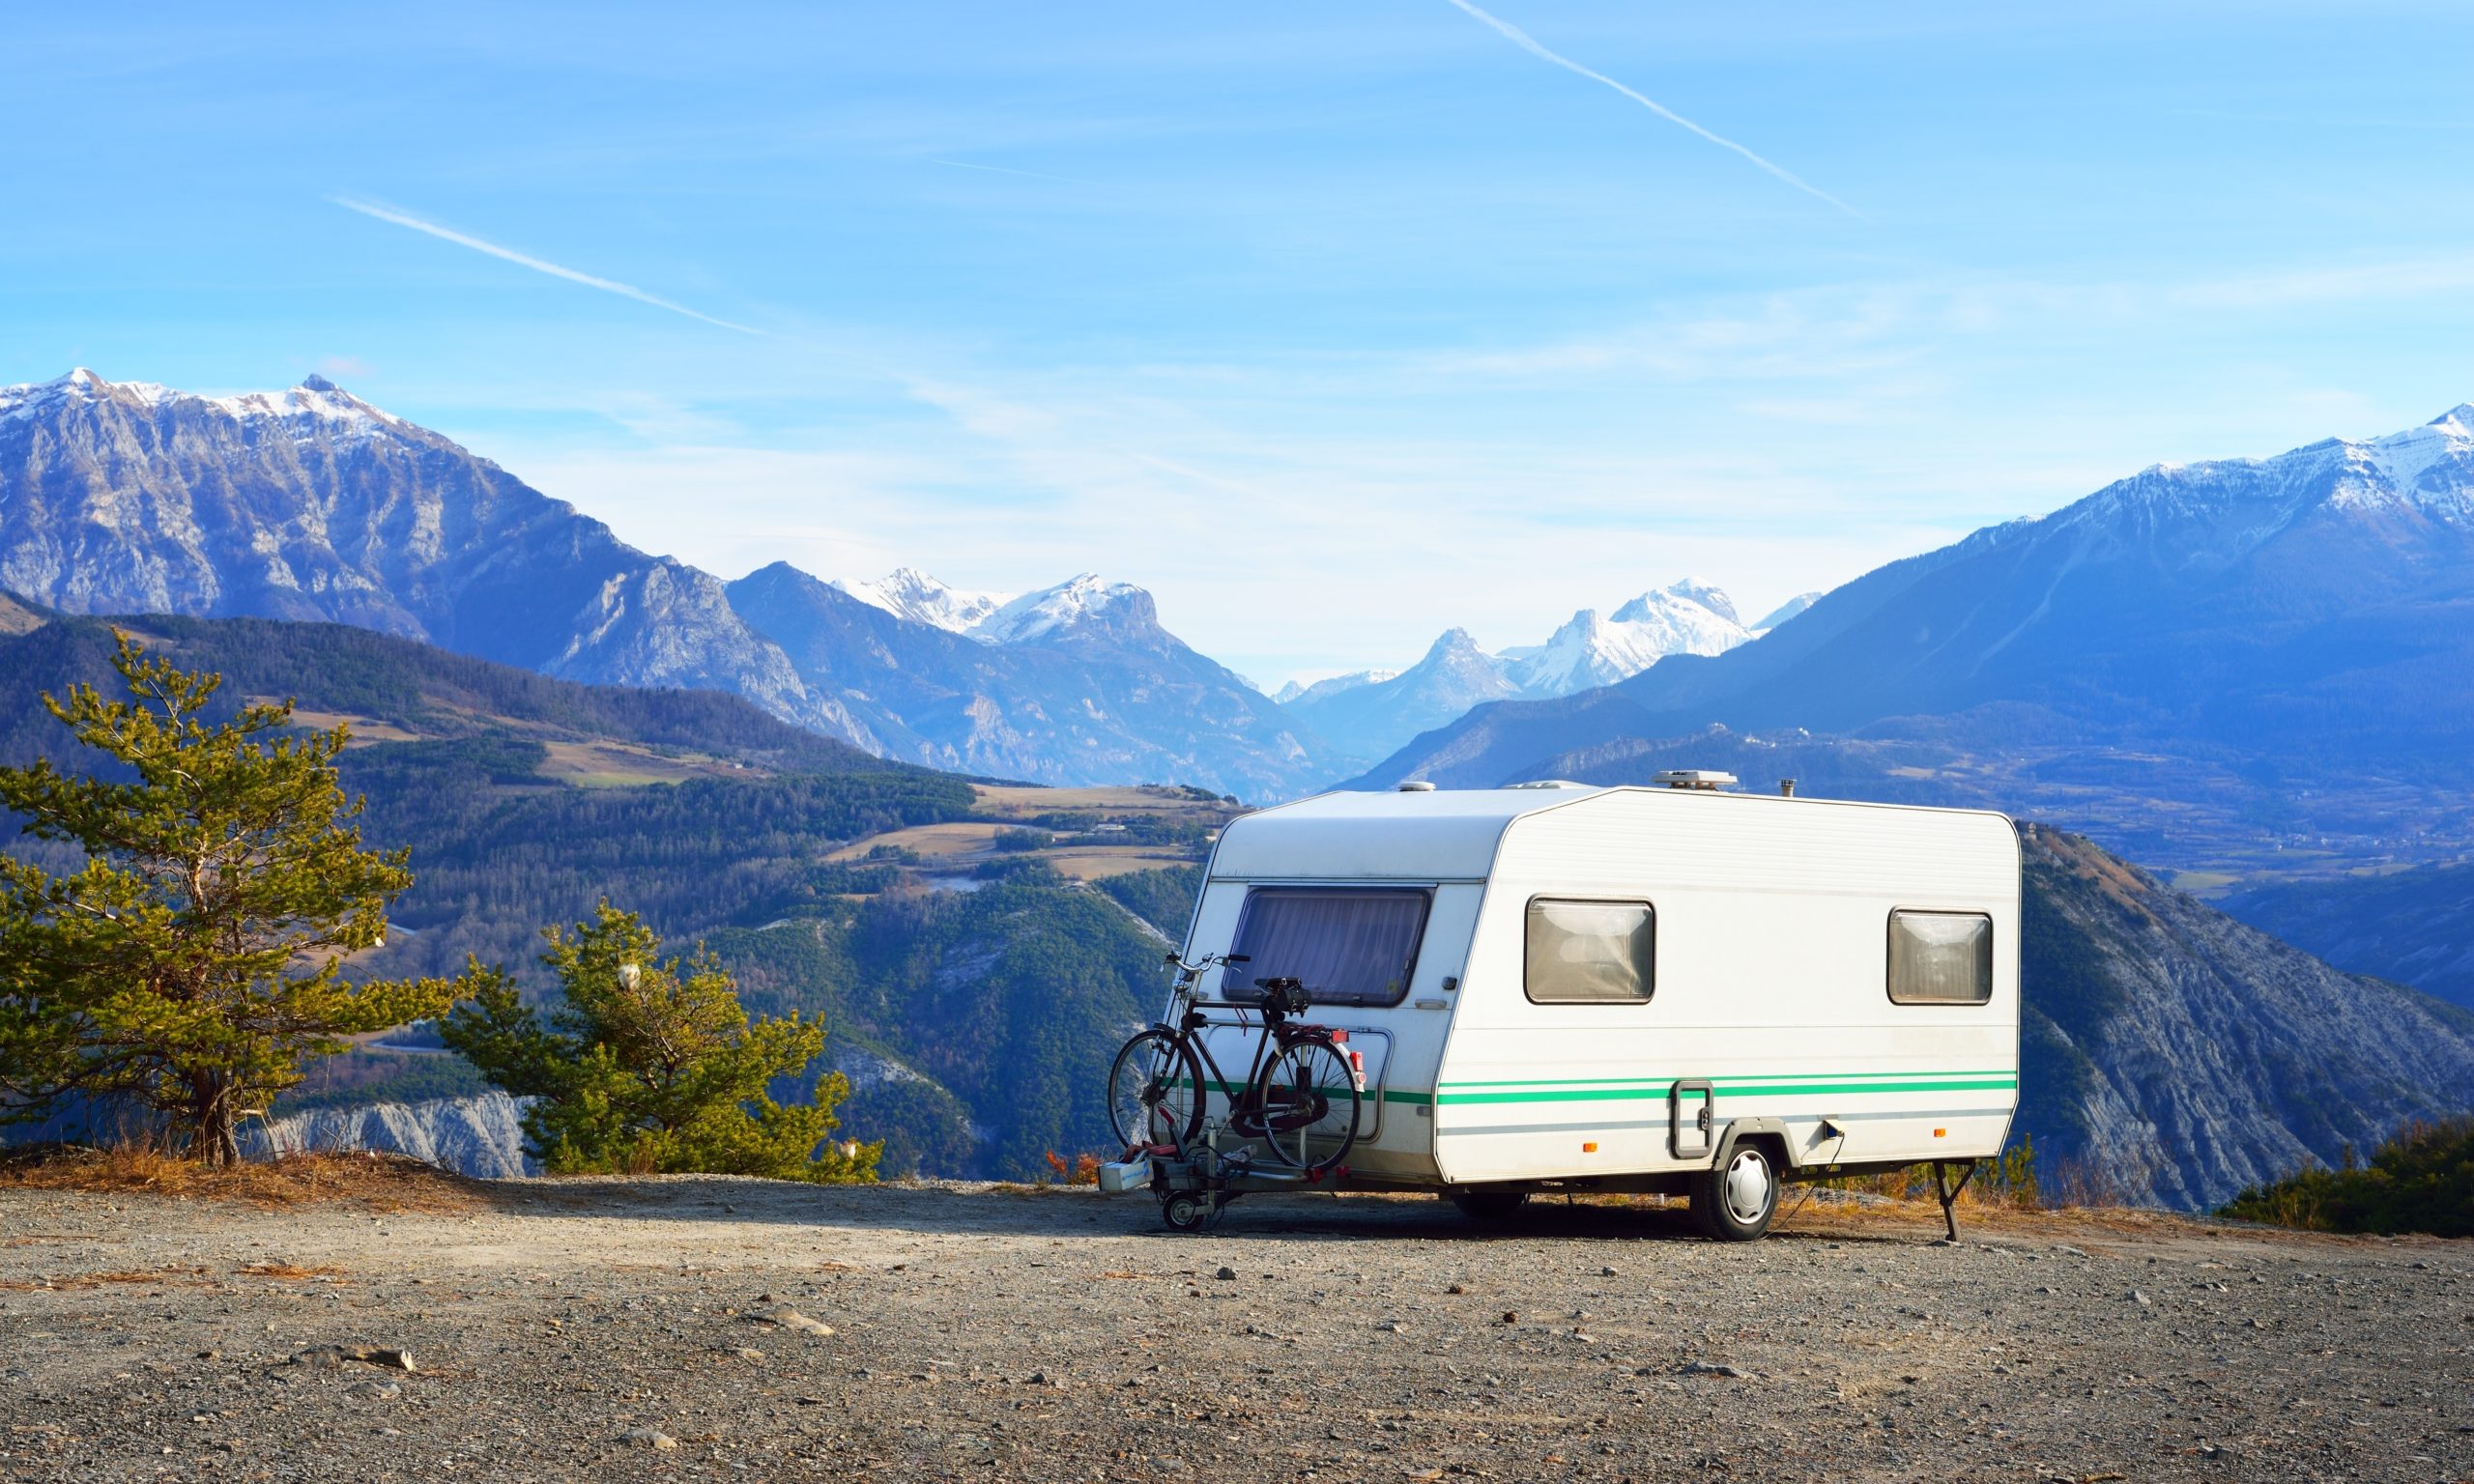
x,y
1589,952
1346,945
1940,958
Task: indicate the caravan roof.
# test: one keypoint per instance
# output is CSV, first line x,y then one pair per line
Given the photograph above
x,y
1439,835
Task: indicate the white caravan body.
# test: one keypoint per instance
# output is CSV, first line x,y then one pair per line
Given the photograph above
x,y
1760,1006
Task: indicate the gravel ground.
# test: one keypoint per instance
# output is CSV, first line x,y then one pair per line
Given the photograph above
x,y
574,1329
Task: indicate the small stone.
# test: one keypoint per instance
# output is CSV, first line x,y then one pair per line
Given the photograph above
x,y
744,1352
1704,1368
649,1438
2140,1299
1607,1272
782,1316
1390,1325
1510,1317
1457,1288
318,1357
1225,1274
374,1390
1037,1378
2067,1251
391,1358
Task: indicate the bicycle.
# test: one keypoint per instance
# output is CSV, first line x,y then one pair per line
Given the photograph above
x,y
1300,1095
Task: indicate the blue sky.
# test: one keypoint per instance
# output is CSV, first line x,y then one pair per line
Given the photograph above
x,y
1333,325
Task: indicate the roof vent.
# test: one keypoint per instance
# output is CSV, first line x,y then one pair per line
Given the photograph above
x,y
1547,783
1696,780
1416,785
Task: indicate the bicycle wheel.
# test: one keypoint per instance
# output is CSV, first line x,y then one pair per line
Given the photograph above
x,y
1307,1102
1155,1090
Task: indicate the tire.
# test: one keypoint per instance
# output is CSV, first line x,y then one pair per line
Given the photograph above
x,y
1155,1091
1492,1207
1187,1210
1306,1104
1737,1201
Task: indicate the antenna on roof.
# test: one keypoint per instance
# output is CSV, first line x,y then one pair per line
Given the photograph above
x,y
1694,779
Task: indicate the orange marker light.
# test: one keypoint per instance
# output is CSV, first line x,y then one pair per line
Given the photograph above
x,y
1940,1134
1588,1149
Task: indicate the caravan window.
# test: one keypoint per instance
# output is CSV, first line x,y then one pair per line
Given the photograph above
x,y
1347,946
1940,958
1591,953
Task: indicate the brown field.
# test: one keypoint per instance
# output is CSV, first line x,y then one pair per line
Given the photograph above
x,y
364,729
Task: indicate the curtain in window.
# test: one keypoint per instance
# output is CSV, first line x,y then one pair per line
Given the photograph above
x,y
1347,946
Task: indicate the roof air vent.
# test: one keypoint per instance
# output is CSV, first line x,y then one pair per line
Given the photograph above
x,y
1416,785
1694,779
1547,783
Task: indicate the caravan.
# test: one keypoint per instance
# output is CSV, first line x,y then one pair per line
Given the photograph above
x,y
1556,987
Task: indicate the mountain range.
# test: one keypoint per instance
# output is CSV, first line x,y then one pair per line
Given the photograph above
x,y
1372,712
129,498
2285,642
2170,1053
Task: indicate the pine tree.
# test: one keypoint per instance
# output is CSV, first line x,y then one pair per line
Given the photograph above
x,y
653,1066
197,957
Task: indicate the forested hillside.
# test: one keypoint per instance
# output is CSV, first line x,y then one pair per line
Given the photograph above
x,y
971,991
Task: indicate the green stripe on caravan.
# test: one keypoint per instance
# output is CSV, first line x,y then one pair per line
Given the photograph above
x,y
1628,1089
1645,1089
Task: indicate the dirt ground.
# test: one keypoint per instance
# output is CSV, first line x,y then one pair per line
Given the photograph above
x,y
572,1329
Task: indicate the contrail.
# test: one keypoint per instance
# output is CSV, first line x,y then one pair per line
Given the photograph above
x,y
1529,44
537,265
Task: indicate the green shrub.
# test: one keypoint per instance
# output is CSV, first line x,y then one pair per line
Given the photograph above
x,y
2422,1180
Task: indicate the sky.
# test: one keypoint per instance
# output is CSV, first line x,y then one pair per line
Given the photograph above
x,y
1334,326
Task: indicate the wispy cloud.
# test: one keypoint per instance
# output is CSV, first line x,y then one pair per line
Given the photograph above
x,y
388,213
1531,44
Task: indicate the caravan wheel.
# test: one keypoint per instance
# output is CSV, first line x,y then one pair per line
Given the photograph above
x,y
1187,1212
1734,1202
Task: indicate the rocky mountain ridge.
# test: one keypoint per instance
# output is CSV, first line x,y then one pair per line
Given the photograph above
x,y
1373,711
131,498
2288,631
2171,1055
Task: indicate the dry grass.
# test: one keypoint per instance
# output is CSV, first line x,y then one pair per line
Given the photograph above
x,y
158,1277
384,1182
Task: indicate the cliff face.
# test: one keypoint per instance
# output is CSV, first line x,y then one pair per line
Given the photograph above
x,y
2175,1055
312,505
481,1137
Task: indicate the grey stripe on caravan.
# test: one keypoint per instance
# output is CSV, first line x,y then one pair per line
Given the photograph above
x,y
1660,1123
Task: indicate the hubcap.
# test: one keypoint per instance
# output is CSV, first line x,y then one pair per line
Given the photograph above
x,y
1748,1187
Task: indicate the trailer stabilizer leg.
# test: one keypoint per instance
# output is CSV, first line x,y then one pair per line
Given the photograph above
x,y
1949,1193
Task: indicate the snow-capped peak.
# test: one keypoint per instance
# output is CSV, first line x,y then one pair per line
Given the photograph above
x,y
1688,617
315,397
1332,685
1034,615
907,592
2405,459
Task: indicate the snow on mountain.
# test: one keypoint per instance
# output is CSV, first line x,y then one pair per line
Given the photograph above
x,y
1786,611
1685,618
315,398
1373,711
1324,689
907,592
1038,614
